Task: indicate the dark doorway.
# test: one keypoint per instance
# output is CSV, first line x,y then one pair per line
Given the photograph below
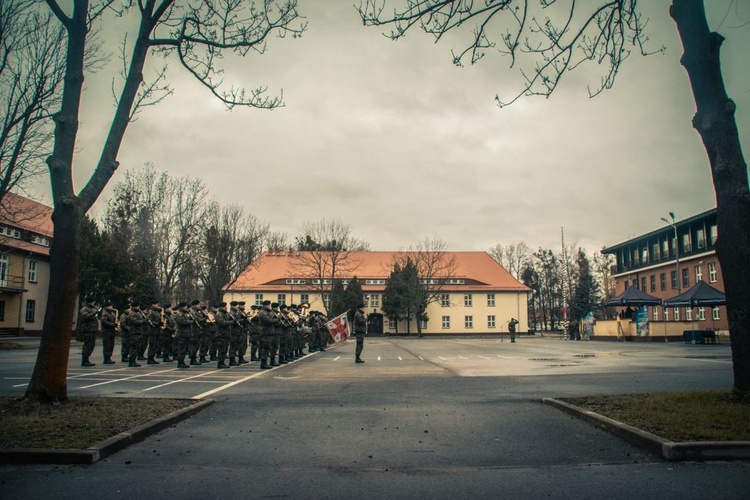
x,y
375,323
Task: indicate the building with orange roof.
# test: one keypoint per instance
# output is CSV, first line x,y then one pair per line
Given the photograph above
x,y
25,236
475,296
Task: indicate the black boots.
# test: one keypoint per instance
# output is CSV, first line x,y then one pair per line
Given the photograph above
x,y
132,363
152,361
86,362
233,362
108,361
181,363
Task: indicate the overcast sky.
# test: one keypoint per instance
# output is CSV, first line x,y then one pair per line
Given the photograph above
x,y
395,141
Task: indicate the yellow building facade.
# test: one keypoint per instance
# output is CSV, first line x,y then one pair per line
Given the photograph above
x,y
474,295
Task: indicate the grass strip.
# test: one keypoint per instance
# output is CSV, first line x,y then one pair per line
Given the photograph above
x,y
77,423
677,416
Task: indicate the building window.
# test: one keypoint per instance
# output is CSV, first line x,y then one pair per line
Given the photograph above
x,y
701,313
281,298
304,297
687,245
655,252
688,314
701,236
374,282
674,247
712,235
423,324
30,310
9,231
2,310
467,300
653,282
375,300
715,313
366,299
677,314
446,322
698,274
635,257
685,278
445,300
40,240
665,248
391,324
643,283
258,299
3,270
663,281
644,255
468,322
491,321
666,314
674,280
712,272
627,284
33,267
295,282
656,313
327,300
490,300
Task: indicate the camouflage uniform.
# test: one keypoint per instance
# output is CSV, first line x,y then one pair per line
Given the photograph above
x,y
360,330
184,325
196,330
137,324
168,330
224,327
244,332
207,334
124,335
268,322
154,332
87,328
109,323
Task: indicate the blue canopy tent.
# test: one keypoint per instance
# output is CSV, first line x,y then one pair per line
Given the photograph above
x,y
633,297
699,295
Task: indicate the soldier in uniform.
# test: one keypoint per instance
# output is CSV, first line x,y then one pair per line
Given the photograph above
x,y
167,333
276,336
268,322
244,332
254,320
234,333
224,325
109,324
88,325
512,329
196,329
184,327
125,335
360,330
212,332
153,329
137,325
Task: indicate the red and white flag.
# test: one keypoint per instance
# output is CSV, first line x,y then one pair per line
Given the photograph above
x,y
339,328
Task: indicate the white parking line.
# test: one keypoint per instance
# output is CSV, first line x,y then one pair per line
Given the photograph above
x,y
181,380
378,358
149,374
400,358
231,384
461,357
337,358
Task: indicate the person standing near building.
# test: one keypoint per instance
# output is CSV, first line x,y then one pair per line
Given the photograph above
x,y
109,324
224,323
512,328
153,317
360,331
184,326
88,326
125,334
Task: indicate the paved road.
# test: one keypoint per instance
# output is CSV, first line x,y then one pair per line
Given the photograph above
x,y
421,418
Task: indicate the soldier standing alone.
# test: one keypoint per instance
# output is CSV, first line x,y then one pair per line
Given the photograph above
x,y
360,330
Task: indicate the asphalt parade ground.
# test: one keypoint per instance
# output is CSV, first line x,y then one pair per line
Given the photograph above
x,y
422,418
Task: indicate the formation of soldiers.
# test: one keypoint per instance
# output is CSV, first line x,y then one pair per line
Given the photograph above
x,y
192,334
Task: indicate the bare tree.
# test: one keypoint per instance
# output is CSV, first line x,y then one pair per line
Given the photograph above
x,y
514,258
561,37
326,253
198,34
434,266
31,71
231,241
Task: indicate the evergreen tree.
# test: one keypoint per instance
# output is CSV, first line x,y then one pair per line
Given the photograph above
x,y
338,300
392,300
353,297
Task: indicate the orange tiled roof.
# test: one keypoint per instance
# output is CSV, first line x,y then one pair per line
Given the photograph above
x,y
21,213
270,271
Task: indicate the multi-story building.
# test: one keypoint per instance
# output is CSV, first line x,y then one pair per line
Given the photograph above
x,y
668,261
477,296
25,235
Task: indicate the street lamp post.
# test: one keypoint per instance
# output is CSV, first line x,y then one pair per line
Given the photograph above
x,y
678,279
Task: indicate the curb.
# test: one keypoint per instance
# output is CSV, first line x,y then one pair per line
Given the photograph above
x,y
104,448
669,450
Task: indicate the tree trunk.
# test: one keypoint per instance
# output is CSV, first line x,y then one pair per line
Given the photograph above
x,y
49,379
715,122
